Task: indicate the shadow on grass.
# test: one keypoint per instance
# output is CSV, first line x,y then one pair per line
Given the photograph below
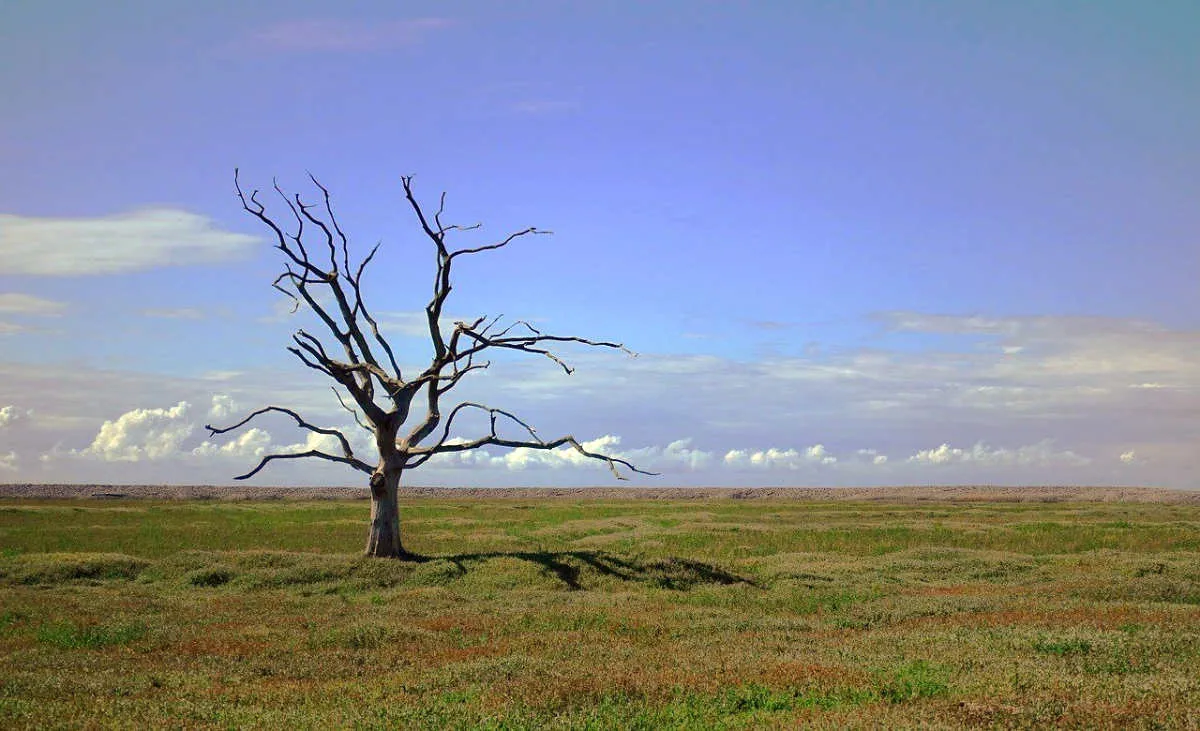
x,y
568,566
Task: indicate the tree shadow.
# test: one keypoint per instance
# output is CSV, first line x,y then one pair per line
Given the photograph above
x,y
569,566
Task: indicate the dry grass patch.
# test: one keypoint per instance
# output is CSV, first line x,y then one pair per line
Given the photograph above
x,y
692,614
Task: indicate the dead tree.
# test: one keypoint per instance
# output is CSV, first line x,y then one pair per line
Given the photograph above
x,y
318,273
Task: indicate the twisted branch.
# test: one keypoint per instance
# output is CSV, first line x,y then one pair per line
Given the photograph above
x,y
347,453
356,464
423,454
300,422
335,296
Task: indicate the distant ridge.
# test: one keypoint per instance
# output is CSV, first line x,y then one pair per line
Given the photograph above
x,y
963,493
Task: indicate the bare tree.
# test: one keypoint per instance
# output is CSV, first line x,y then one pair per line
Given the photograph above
x,y
363,364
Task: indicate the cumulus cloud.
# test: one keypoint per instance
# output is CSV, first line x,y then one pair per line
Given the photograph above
x,y
27,304
126,242
8,462
1129,457
312,440
10,415
1041,454
346,36
1096,387
526,458
142,434
253,442
223,406
148,439
773,458
873,455
679,456
675,455
256,442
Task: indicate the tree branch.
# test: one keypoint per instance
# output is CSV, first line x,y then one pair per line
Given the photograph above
x,y
501,244
347,407
334,294
355,463
421,455
530,343
300,422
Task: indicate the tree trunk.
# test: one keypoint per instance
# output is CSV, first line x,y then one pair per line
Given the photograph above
x,y
384,537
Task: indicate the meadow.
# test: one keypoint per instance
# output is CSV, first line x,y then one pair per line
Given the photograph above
x,y
601,613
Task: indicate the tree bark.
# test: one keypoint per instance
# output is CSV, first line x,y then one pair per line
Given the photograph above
x,y
383,540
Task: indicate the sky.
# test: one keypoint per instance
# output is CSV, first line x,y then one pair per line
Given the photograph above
x,y
851,243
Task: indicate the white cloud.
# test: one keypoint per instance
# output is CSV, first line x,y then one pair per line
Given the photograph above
x,y
124,242
817,453
874,456
1041,454
8,462
1070,383
10,415
142,434
253,442
773,458
1129,457
678,453
525,458
669,460
223,406
27,304
312,440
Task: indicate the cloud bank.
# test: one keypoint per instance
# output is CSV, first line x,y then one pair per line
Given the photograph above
x,y
1016,401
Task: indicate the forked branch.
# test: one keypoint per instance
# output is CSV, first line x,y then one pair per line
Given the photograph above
x,y
319,273
355,463
348,453
420,455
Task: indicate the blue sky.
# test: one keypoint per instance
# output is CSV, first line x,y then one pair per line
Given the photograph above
x,y
961,236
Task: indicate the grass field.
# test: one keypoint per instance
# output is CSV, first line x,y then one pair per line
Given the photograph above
x,y
599,614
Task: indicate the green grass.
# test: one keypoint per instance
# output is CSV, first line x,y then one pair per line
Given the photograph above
x,y
70,636
600,614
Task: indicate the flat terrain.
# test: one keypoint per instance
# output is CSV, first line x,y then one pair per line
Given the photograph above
x,y
1068,607
953,493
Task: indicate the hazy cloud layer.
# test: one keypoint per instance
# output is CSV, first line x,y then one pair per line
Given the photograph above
x,y
27,304
23,306
1018,400
126,242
